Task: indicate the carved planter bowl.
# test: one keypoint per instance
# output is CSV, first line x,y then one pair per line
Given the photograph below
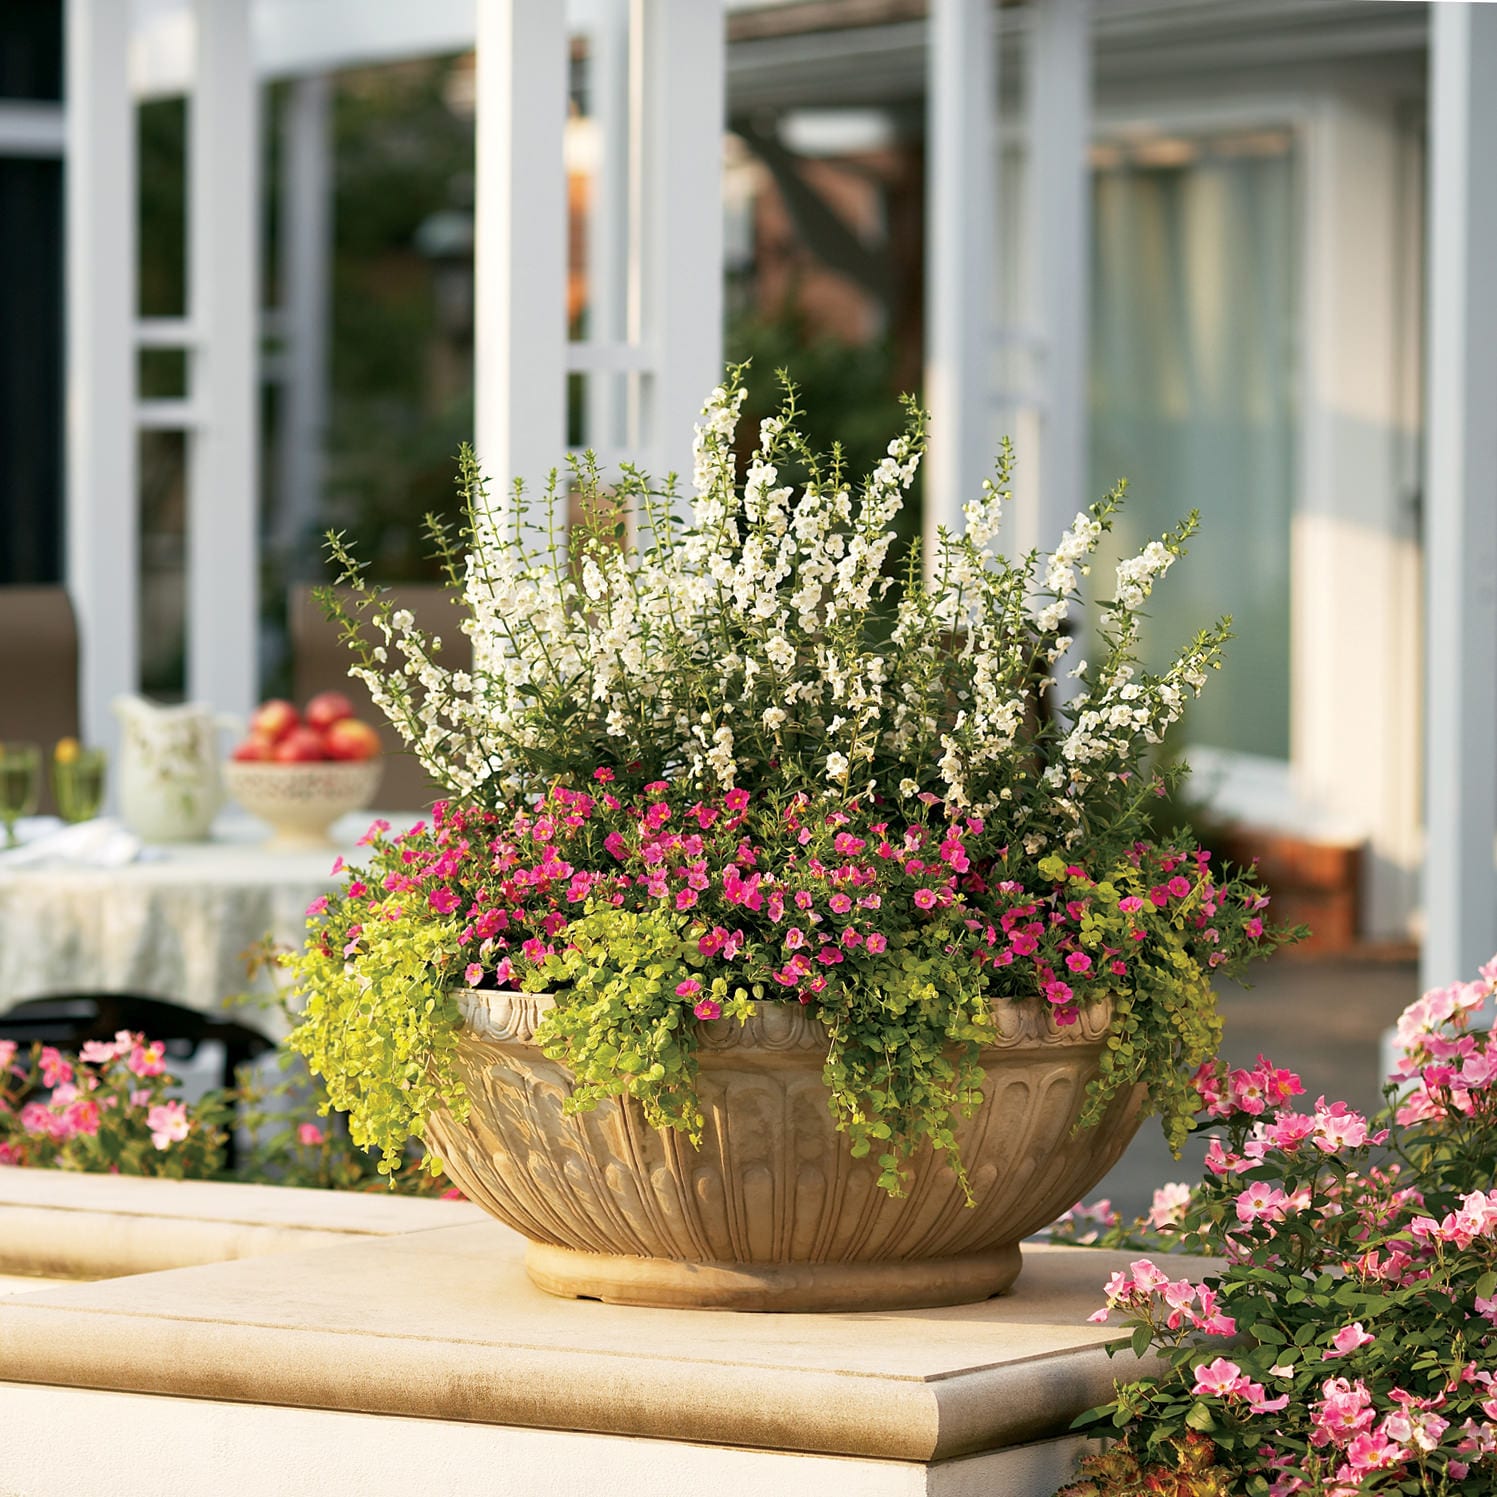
x,y
772,1212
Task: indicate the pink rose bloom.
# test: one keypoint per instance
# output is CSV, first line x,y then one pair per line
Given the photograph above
x,y
94,1053
148,1060
310,1135
55,1070
1347,1340
1219,1379
168,1124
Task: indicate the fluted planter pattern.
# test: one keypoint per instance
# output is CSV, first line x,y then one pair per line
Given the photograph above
x,y
772,1212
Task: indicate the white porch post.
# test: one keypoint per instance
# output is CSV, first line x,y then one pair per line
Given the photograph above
x,y
306,254
1058,108
223,238
520,246
962,194
1460,884
682,240
103,542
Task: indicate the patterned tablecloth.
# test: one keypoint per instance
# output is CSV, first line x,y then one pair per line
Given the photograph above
x,y
175,925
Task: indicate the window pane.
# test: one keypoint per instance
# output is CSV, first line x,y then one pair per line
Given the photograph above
x,y
1193,304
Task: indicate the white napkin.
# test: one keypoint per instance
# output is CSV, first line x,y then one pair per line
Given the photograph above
x,y
101,843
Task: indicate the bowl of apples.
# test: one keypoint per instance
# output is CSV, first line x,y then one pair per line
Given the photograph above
x,y
300,771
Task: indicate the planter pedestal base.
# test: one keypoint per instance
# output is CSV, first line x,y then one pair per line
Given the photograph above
x,y
667,1283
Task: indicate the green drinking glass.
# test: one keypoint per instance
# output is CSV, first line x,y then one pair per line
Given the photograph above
x,y
78,783
20,784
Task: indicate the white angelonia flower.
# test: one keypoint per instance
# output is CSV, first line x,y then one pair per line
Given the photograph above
x,y
837,766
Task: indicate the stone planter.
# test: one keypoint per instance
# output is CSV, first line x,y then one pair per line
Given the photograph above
x,y
773,1212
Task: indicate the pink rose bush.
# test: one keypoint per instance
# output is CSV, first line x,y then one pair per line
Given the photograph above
x,y
106,1109
1350,1344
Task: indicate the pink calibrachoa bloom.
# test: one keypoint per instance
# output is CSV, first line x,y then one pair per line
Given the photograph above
x,y
309,1135
168,1124
473,974
708,1008
688,988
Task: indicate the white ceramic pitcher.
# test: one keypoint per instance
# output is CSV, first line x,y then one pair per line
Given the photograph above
x,y
169,785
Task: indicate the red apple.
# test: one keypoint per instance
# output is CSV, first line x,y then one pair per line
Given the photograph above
x,y
254,750
350,739
299,746
273,720
325,709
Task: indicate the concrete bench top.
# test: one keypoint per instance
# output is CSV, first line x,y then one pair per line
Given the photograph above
x,y
441,1323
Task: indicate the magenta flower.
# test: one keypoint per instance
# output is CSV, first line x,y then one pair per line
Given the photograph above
x,y
309,1135
443,901
736,800
1079,961
925,899
875,944
689,988
708,1008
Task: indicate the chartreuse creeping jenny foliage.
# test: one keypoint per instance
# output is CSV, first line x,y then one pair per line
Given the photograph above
x,y
1349,1345
738,764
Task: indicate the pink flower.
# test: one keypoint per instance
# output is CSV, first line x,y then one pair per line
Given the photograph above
x,y
689,988
55,1070
925,899
1079,961
736,800
310,1135
1254,927
1261,1201
603,774
168,1124
1178,887
1218,1379
443,901
875,944
94,1053
148,1060
318,906
1058,992
708,1008
473,974
1131,904
1347,1340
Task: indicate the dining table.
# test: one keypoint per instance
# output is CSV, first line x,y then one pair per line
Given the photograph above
x,y
188,923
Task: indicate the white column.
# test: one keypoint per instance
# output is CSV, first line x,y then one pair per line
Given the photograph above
x,y
1460,884
682,241
962,193
1354,560
520,248
1059,117
608,216
306,259
223,239
103,535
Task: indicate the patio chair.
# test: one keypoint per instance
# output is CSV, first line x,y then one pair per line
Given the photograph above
x,y
320,662
38,669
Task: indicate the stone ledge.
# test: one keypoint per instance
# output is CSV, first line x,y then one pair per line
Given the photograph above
x,y
445,1325
69,1225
